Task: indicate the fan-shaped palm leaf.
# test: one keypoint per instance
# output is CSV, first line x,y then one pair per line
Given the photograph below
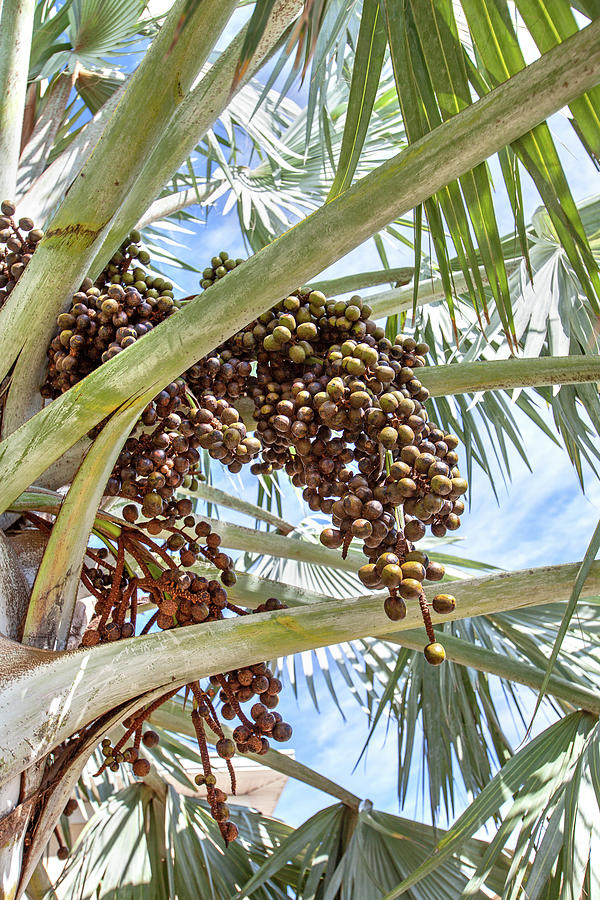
x,y
553,791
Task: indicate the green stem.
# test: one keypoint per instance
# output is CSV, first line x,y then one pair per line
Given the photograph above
x,y
251,540
56,585
172,717
111,674
387,303
506,374
172,203
347,283
466,654
16,28
222,498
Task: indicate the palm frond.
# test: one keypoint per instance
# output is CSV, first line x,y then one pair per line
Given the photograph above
x,y
344,854
552,787
140,843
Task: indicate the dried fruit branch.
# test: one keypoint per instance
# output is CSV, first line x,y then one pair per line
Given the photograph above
x,y
16,27
171,717
158,662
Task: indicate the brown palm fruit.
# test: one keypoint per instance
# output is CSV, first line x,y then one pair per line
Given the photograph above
x,y
434,653
141,767
444,603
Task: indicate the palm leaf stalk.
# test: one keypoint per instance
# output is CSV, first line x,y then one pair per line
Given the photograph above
x,y
251,591
16,29
221,498
346,283
48,189
152,664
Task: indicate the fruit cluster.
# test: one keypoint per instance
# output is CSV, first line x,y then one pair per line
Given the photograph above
x,y
336,404
106,317
18,240
340,407
219,267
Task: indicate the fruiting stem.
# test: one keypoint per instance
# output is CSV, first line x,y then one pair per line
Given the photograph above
x,y
234,703
159,550
237,609
116,582
346,544
134,604
426,618
149,623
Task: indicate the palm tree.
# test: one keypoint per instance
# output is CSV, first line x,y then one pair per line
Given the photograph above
x,y
406,102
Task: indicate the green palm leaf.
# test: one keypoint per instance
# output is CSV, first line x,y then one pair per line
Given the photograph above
x,y
366,71
348,855
538,777
131,820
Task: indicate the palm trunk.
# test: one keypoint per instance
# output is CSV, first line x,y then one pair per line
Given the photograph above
x,y
14,595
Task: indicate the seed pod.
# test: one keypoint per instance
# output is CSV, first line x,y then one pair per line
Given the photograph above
x,y
391,575
225,748
413,570
410,588
282,732
150,739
